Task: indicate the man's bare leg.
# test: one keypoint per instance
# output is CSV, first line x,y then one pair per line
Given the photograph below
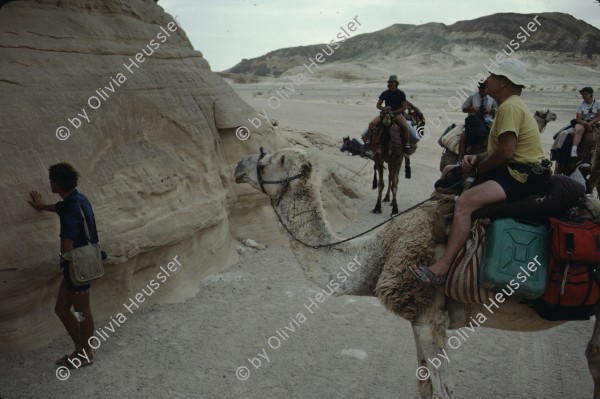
x,y
403,128
81,303
63,311
372,126
579,129
477,197
374,123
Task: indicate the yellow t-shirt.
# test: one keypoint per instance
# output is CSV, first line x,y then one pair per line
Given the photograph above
x,y
513,116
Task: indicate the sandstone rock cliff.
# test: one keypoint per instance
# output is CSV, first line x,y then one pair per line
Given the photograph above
x,y
154,142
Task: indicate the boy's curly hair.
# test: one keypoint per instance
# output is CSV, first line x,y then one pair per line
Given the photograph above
x,y
64,176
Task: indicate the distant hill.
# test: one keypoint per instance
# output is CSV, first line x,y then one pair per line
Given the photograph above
x,y
560,36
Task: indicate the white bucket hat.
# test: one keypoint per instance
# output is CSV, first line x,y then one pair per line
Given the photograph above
x,y
513,69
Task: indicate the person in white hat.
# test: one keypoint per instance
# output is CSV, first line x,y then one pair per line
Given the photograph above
x,y
502,173
395,101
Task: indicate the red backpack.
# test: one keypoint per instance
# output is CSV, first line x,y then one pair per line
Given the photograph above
x,y
572,291
575,241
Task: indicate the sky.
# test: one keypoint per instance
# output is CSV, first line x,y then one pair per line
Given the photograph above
x,y
227,31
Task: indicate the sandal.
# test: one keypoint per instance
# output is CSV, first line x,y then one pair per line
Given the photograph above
x,y
62,360
65,361
86,362
425,274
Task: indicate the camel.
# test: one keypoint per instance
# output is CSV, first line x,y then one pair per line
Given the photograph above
x,y
387,147
542,118
381,261
353,148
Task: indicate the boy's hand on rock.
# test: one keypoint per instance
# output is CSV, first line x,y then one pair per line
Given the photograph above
x,y
36,200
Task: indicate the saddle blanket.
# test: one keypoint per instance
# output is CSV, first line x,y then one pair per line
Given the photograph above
x,y
462,281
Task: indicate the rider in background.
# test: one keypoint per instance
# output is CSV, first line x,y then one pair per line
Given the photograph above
x,y
478,106
588,114
395,101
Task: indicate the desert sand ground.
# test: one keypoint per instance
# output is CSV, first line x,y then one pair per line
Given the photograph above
x,y
351,347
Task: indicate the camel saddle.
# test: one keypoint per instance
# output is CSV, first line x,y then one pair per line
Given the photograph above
x,y
564,196
462,280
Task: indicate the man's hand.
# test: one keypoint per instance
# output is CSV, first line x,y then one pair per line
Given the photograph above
x,y
36,200
468,163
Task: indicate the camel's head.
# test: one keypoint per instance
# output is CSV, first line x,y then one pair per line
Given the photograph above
x,y
273,171
542,118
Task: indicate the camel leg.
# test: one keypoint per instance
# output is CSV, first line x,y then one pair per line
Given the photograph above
x,y
380,187
387,193
433,372
592,353
396,173
389,187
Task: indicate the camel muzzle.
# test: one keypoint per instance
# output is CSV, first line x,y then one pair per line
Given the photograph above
x,y
240,178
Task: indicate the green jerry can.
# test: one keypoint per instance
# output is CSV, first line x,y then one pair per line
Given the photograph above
x,y
515,258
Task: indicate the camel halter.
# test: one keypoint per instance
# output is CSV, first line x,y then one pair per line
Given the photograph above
x,y
284,182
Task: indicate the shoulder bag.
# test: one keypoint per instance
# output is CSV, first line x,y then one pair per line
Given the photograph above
x,y
85,263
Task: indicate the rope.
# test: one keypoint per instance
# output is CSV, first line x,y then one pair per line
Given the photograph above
x,y
363,233
368,160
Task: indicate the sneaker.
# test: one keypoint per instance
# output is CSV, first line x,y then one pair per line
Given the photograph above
x,y
574,153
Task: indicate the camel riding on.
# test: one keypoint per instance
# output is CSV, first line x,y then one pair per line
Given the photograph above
x,y
288,177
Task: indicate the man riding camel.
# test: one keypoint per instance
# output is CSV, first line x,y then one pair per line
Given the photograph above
x,y
395,101
503,173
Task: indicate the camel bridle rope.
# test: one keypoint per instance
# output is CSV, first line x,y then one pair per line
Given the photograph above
x,y
283,182
286,182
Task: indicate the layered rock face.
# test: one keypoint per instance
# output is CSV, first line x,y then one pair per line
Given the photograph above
x,y
115,88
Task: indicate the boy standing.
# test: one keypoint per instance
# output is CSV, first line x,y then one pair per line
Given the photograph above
x,y
71,211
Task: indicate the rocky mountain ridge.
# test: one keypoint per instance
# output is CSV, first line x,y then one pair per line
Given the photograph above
x,y
560,37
